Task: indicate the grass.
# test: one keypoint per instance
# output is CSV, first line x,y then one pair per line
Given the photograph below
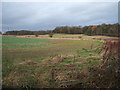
x,y
69,61
30,66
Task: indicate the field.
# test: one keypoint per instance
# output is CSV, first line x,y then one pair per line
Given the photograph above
x,y
43,62
43,47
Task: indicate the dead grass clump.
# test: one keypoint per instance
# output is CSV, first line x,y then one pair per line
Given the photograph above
x,y
111,48
107,75
29,62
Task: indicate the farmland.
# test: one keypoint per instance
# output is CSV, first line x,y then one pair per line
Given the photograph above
x,y
43,47
43,62
59,45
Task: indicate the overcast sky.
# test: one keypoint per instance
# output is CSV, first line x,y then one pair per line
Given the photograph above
x,y
48,15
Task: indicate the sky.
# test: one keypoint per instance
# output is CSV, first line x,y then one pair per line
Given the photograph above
x,y
48,15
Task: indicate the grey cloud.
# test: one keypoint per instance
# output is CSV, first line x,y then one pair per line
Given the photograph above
x,y
46,16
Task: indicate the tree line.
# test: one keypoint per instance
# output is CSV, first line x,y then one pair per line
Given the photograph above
x,y
26,32
103,29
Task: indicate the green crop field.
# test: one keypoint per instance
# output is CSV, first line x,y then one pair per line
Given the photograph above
x,y
18,42
27,62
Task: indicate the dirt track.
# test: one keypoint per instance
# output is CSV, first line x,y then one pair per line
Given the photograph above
x,y
57,38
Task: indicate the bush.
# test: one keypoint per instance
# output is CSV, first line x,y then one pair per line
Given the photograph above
x,y
36,35
79,36
51,35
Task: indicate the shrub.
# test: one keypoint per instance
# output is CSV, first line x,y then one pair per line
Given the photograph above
x,y
36,35
51,35
79,36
